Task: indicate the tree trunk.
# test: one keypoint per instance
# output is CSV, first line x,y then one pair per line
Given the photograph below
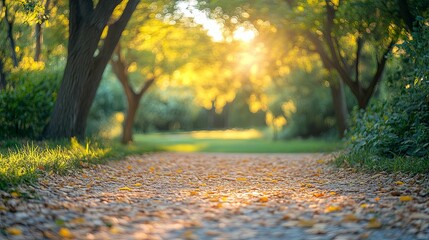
x,y
9,24
127,134
2,76
39,39
340,106
85,64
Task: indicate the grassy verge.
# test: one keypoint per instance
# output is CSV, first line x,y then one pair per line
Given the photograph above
x,y
367,161
26,162
196,142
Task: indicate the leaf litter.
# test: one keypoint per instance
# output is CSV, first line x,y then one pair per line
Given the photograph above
x,y
218,196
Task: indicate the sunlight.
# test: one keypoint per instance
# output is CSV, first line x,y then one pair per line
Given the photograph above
x,y
244,34
227,134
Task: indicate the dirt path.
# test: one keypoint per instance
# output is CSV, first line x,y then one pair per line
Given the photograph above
x,y
220,196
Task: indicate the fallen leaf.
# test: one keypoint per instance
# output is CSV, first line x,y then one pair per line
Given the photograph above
x,y
14,231
318,195
399,183
241,179
179,171
374,224
14,194
332,208
405,198
137,185
263,199
193,193
377,199
306,223
65,233
332,193
125,189
129,167
350,218
115,230
363,205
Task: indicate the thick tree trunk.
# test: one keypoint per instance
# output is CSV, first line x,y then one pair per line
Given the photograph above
x,y
340,106
85,64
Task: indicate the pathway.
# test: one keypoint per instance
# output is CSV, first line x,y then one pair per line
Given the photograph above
x,y
219,196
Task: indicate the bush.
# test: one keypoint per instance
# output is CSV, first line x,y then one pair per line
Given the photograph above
x,y
26,102
399,126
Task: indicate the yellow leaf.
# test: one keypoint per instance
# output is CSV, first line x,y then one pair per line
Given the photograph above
x,y
377,199
193,193
224,199
306,223
129,167
332,193
364,205
14,194
211,176
151,169
399,183
263,199
241,179
137,185
350,218
405,198
14,231
179,171
320,161
65,233
219,205
333,209
115,230
374,223
125,189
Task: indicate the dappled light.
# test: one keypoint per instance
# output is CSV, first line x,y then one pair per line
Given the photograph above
x,y
214,119
227,134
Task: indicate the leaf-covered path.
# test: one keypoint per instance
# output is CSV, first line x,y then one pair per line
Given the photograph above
x,y
219,196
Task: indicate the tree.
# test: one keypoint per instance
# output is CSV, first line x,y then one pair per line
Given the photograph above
x,y
88,55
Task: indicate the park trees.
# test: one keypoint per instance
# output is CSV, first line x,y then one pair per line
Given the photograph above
x,y
88,55
156,48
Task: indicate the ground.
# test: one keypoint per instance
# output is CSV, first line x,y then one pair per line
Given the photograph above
x,y
219,196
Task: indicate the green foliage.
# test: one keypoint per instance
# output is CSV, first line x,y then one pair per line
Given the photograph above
x,y
168,109
26,102
400,126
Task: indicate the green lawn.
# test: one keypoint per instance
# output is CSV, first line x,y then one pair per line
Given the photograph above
x,y
231,142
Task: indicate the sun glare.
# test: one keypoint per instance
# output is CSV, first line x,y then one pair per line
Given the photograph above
x,y
243,34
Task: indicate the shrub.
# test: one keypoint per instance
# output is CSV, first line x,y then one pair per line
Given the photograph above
x,y
26,102
399,126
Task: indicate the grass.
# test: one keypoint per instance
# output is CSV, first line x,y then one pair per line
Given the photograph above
x,y
367,161
26,162
232,142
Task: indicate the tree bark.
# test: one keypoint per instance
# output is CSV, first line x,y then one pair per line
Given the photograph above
x,y
340,106
119,67
2,76
9,23
85,63
39,32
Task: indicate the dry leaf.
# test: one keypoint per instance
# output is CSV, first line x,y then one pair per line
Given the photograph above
x,y
399,183
318,195
306,223
263,199
241,179
350,218
14,231
65,233
405,198
374,223
332,208
125,189
137,185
